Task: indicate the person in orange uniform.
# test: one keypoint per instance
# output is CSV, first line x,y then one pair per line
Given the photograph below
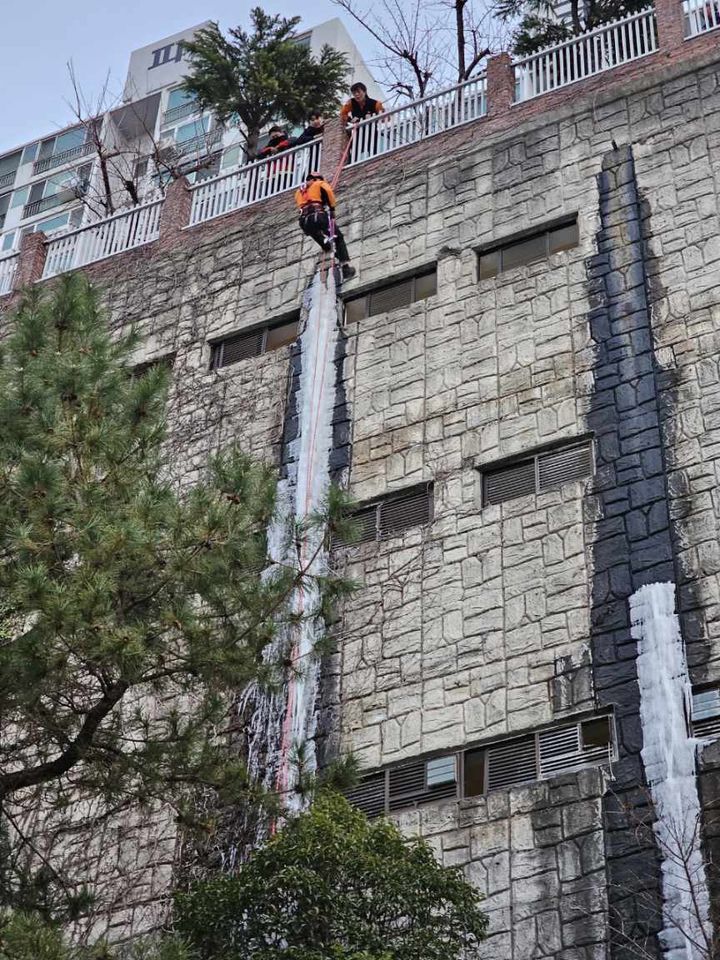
x,y
316,201
360,105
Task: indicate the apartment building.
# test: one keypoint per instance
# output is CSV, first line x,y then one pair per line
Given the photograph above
x,y
55,183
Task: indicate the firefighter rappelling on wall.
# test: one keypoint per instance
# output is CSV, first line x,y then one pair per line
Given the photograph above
x,y
316,201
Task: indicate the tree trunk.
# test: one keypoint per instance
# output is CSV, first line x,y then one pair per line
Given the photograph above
x,y
251,144
460,29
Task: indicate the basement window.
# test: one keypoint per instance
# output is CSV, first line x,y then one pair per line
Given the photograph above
x,y
391,515
251,343
509,763
529,248
391,296
706,713
543,471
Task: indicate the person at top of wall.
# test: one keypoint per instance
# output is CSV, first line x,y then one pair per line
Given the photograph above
x,y
278,142
315,128
316,200
360,105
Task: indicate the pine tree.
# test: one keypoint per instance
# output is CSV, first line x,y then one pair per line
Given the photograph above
x,y
129,614
262,76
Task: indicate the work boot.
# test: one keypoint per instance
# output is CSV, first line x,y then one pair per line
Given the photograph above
x,y
348,272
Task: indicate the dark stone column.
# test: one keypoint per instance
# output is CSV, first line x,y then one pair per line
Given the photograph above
x,y
632,536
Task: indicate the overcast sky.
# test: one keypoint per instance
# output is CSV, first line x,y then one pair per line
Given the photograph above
x,y
38,37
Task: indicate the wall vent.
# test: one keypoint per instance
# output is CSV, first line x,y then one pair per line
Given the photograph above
x,y
391,515
544,471
242,346
706,714
537,756
391,296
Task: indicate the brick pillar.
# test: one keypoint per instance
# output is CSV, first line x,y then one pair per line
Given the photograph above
x,y
671,26
175,213
334,142
31,261
500,84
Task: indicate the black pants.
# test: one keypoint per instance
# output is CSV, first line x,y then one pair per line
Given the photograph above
x,y
316,224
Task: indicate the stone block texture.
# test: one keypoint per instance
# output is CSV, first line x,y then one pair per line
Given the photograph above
x,y
494,620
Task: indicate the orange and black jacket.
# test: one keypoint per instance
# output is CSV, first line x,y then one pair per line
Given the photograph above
x,y
317,193
353,111
274,146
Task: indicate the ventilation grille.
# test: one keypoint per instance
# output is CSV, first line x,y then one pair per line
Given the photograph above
x,y
563,466
391,515
510,482
398,295
369,795
236,348
706,714
546,471
512,763
538,756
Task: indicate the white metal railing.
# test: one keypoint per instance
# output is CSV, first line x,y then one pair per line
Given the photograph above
x,y
8,267
700,16
254,182
123,231
593,52
415,121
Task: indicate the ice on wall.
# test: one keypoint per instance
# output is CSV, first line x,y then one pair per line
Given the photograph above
x,y
669,758
283,724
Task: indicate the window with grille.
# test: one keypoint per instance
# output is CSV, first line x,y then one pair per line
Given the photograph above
x,y
527,249
251,343
390,296
391,515
543,471
706,713
469,773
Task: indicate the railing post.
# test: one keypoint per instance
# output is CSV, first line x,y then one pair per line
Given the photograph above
x,y
31,260
175,212
670,25
500,84
333,146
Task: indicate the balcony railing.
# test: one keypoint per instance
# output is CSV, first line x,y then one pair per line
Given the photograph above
x,y
59,159
8,268
7,179
417,121
49,203
700,16
594,52
126,230
179,112
254,182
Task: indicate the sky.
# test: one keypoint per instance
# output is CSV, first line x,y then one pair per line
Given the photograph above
x,y
39,37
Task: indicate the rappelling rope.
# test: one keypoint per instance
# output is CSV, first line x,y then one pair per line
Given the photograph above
x,y
321,350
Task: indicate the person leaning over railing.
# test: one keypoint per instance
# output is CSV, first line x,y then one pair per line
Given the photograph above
x,y
315,128
360,105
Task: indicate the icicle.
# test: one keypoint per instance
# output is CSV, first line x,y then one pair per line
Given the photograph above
x,y
282,726
669,755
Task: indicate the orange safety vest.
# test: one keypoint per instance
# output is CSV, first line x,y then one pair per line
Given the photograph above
x,y
317,191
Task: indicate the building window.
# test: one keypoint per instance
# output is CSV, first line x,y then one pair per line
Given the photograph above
x,y
545,470
392,295
241,346
527,249
391,515
706,713
29,153
537,756
8,241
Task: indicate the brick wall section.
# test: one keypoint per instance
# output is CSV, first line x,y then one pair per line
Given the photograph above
x,y
175,213
500,84
31,260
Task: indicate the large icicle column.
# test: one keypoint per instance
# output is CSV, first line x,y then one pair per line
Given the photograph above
x,y
282,724
669,756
